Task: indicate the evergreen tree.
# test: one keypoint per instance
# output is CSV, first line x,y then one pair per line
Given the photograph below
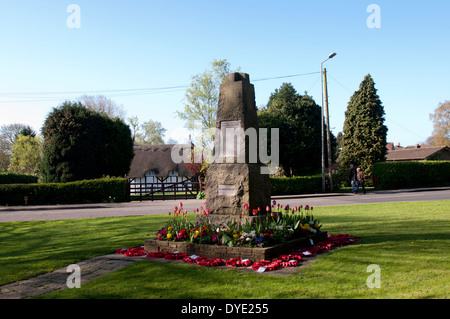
x,y
298,119
364,135
83,144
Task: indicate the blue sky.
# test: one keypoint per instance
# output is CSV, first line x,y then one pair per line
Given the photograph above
x,y
131,45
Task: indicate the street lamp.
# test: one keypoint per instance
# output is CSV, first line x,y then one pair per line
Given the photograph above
x,y
332,55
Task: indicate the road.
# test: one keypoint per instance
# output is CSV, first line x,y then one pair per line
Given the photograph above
x,y
30,213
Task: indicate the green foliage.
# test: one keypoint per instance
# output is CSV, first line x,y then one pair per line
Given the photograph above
x,y
82,144
202,98
17,178
26,155
364,140
79,192
298,119
201,195
296,185
277,225
391,175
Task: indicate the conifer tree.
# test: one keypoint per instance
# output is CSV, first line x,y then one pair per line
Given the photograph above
x,y
364,134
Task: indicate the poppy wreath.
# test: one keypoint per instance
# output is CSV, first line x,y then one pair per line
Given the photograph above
x,y
294,256
213,262
132,252
269,265
135,252
238,262
175,256
157,254
190,260
289,263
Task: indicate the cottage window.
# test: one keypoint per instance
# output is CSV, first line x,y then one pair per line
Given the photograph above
x,y
173,177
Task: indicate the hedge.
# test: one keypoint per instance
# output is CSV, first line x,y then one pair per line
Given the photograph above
x,y
17,178
296,185
392,175
80,192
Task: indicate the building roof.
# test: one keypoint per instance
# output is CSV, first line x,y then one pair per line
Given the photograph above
x,y
156,158
414,154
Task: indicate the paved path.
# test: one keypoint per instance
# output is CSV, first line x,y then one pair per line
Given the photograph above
x,y
56,280
55,212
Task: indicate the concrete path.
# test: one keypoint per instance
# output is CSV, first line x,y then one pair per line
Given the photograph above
x,y
58,212
56,280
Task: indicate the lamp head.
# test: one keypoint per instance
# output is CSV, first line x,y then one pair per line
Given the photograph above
x,y
332,55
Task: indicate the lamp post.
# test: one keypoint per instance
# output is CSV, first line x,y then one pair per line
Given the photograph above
x,y
332,55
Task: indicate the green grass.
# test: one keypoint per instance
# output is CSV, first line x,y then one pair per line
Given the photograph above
x,y
409,242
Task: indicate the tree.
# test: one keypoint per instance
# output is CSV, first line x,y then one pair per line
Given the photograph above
x,y
298,119
152,133
364,133
8,135
83,144
147,133
202,99
26,155
103,105
441,125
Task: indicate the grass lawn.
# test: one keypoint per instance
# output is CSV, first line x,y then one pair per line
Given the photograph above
x,y
408,241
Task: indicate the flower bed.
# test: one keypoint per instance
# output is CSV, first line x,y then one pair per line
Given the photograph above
x,y
276,225
292,259
225,252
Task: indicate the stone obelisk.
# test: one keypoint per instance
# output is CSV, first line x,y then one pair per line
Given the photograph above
x,y
234,179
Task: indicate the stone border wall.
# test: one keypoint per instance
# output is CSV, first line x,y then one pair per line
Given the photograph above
x,y
226,252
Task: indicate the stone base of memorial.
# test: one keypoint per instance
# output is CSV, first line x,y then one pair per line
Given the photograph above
x,y
226,252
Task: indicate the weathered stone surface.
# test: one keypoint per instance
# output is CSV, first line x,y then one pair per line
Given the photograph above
x,y
232,181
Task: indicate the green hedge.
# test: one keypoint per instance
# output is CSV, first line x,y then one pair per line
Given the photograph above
x,y
392,175
80,192
16,178
296,185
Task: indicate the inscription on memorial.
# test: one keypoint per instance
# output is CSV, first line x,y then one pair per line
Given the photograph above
x,y
226,190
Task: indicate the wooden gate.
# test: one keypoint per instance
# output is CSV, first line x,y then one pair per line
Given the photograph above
x,y
163,190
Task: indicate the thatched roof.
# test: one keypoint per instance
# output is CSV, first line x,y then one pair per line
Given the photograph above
x,y
155,158
418,154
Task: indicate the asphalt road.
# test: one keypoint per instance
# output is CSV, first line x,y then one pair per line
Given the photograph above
x,y
32,213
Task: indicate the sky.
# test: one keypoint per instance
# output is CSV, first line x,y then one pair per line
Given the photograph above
x,y
143,55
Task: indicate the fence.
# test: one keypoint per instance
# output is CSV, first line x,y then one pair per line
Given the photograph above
x,y
142,190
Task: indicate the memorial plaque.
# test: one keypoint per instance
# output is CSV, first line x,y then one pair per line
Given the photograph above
x,y
230,138
226,190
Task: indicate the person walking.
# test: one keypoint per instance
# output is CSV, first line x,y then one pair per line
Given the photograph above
x,y
352,178
360,178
